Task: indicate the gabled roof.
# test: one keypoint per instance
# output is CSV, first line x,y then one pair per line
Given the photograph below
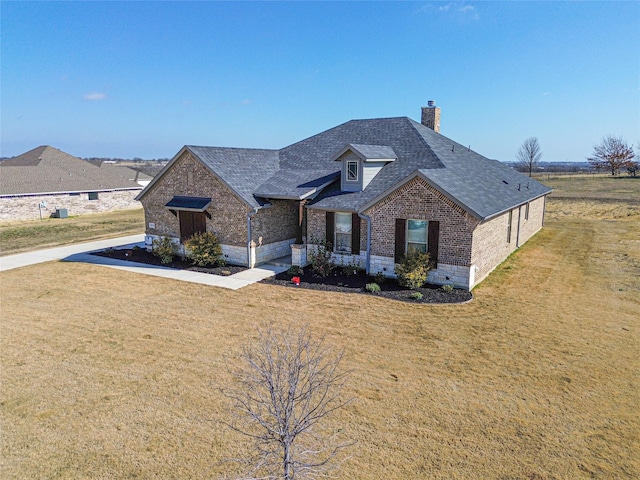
x,y
368,153
48,170
307,169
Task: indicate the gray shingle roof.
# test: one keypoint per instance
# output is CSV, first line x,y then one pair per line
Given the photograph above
x,y
483,187
369,152
48,170
468,178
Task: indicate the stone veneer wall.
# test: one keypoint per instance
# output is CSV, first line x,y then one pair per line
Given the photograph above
x,y
26,207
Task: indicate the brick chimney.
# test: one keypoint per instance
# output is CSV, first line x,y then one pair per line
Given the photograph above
x,y
431,116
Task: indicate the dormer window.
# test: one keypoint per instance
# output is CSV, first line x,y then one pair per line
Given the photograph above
x,y
361,163
352,170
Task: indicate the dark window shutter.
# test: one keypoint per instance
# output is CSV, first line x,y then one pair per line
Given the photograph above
x,y
401,227
434,236
355,234
330,228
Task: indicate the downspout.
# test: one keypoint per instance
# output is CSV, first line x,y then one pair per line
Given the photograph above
x,y
249,215
368,261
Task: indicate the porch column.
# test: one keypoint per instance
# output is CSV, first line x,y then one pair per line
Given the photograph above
x,y
301,204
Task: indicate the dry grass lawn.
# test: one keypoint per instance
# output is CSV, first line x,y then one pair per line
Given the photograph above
x,y
27,235
108,374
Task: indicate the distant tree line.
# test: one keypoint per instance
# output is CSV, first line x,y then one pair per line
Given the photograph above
x,y
612,154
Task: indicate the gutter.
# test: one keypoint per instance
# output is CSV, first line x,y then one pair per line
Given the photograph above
x,y
249,215
367,265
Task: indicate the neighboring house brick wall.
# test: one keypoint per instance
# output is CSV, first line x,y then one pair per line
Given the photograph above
x,y
190,178
418,200
26,207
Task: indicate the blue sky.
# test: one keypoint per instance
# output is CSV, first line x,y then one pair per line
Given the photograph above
x,y
142,79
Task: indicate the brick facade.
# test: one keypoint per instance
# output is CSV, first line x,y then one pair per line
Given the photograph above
x,y
26,207
468,249
491,245
190,177
417,200
272,228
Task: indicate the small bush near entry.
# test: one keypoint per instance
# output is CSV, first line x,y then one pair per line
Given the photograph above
x,y
380,278
447,288
165,249
321,259
412,272
416,296
204,250
295,270
372,287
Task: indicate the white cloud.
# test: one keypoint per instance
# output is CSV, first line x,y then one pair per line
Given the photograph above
x,y
458,8
469,10
545,94
95,96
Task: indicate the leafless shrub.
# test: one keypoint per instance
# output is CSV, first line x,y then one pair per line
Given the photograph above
x,y
289,383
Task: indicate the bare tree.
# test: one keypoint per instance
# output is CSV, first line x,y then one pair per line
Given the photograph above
x,y
612,154
529,154
289,383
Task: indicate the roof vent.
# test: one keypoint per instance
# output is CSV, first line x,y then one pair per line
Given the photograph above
x,y
431,103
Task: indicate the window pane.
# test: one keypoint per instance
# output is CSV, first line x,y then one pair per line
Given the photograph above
x,y
343,242
416,247
417,231
352,170
343,222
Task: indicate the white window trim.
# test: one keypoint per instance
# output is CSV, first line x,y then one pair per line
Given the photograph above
x,y
357,177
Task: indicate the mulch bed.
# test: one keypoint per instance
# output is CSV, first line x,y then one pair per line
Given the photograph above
x,y
140,255
339,282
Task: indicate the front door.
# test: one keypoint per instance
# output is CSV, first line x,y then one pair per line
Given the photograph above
x,y
191,223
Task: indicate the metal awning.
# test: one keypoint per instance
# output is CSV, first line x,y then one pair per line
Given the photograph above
x,y
191,204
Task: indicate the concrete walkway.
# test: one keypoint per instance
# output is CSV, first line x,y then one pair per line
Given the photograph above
x,y
81,253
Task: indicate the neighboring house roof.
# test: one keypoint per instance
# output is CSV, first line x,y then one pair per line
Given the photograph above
x,y
307,169
48,170
134,174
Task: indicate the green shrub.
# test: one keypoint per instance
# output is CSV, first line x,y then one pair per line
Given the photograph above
x,y
447,288
204,250
380,278
165,249
351,268
295,270
412,272
372,287
321,263
416,295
